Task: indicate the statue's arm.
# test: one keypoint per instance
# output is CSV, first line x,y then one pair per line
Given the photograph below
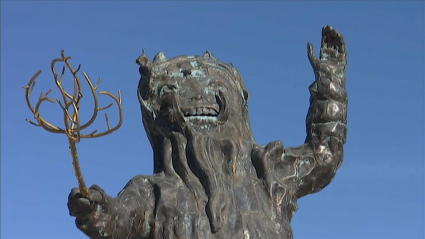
x,y
127,215
316,162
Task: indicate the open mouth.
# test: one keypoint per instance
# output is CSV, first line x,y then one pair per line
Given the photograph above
x,y
216,113
201,113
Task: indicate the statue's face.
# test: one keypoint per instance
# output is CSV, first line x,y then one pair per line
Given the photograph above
x,y
198,98
189,92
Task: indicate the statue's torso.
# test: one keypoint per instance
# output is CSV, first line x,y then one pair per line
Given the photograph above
x,y
250,213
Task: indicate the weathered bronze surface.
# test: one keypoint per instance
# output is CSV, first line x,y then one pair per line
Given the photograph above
x,y
211,179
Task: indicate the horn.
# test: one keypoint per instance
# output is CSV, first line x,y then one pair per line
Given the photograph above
x,y
208,55
160,57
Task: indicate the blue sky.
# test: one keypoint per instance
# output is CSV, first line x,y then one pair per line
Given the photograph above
x,y
377,193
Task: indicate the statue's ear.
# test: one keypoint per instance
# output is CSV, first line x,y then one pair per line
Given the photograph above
x,y
145,65
145,75
245,95
238,76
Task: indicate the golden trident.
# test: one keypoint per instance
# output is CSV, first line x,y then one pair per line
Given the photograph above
x,y
70,107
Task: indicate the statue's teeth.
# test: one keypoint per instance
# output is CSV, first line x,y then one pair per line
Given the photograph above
x,y
202,118
200,111
192,111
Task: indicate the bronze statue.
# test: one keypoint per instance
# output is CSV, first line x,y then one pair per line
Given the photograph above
x,y
211,179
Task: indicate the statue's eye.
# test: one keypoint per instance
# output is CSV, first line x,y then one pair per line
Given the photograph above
x,y
186,72
217,85
167,88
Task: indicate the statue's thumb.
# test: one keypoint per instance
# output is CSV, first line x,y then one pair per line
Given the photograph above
x,y
311,57
97,194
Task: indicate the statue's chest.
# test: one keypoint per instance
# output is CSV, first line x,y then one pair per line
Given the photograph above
x,y
242,194
249,195
249,213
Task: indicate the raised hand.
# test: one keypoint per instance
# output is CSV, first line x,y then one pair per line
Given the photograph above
x,y
333,55
329,98
316,161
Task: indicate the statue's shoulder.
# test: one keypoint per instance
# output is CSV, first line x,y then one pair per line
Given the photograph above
x,y
149,186
268,155
157,180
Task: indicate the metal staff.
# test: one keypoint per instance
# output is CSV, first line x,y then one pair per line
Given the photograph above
x,y
70,107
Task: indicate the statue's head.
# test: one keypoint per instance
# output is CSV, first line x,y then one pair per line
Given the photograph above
x,y
192,94
196,117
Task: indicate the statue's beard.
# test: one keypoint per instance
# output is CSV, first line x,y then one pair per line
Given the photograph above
x,y
202,155
205,165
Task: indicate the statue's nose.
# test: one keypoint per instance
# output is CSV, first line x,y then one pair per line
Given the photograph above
x,y
198,97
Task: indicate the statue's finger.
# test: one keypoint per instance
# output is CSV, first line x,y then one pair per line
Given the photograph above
x,y
327,32
332,46
73,192
97,194
333,38
78,205
75,196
